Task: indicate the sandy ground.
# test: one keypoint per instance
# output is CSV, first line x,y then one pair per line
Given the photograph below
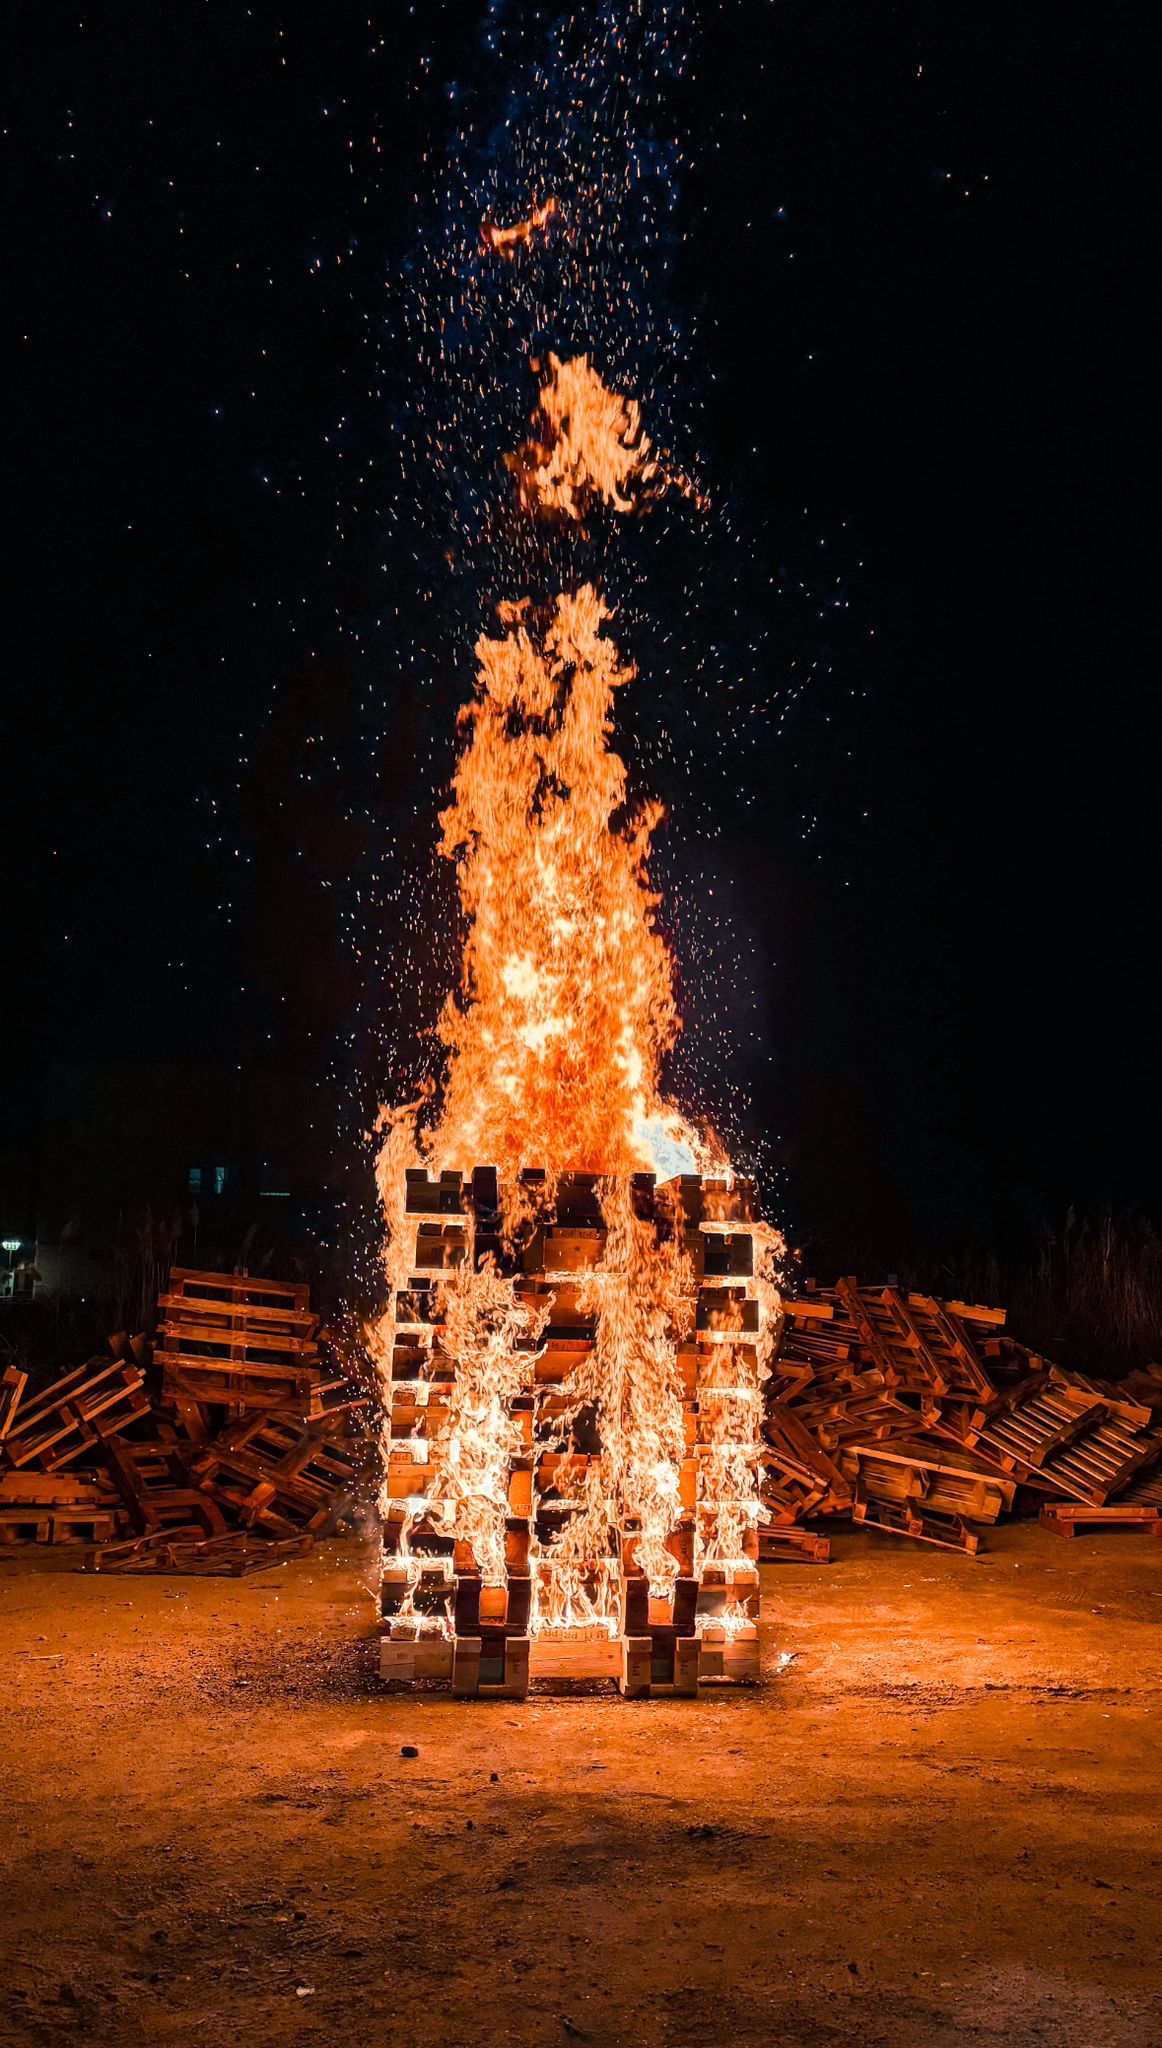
x,y
939,1824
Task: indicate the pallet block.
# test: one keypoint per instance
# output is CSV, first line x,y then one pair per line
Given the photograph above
x,y
418,1657
728,1656
485,1668
636,1667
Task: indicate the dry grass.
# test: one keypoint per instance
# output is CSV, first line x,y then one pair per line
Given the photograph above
x,y
1090,1296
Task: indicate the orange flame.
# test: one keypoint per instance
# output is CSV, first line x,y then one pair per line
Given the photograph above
x,y
642,1294
567,1001
486,1330
506,241
590,446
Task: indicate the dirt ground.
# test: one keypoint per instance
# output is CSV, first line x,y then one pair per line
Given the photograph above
x,y
938,1824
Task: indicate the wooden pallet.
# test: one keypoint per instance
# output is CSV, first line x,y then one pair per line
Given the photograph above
x,y
153,1480
900,1343
1065,1518
189,1551
929,1475
229,1339
278,1475
316,1476
951,1533
788,1542
64,1423
1049,1435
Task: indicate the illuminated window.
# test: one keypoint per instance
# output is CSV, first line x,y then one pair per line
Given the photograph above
x,y
219,1180
195,1180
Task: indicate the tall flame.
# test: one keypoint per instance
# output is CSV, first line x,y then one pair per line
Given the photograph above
x,y
567,1001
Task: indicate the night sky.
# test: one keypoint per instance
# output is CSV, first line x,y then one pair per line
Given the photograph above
x,y
910,246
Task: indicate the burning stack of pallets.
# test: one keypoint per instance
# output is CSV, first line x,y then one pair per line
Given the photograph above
x,y
923,1417
221,1448
442,1620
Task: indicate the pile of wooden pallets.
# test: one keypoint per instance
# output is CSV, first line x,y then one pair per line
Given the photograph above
x,y
923,1417
443,1621
223,1447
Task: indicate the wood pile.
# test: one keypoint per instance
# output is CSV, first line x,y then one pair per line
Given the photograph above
x,y
923,1417
442,1622
222,1448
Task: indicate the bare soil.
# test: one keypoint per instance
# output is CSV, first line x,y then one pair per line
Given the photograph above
x,y
939,1824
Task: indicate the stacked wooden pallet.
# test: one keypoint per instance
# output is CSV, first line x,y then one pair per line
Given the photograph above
x,y
227,1340
227,1452
564,1611
922,1417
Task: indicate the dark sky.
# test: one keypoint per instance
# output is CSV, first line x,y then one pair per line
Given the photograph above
x,y
917,241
